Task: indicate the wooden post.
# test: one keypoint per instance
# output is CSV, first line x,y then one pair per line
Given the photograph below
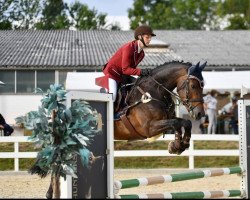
x,y
55,179
56,187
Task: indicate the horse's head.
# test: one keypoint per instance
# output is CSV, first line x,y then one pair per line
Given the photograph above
x,y
190,88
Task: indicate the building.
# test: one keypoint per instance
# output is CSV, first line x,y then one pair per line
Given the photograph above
x,y
31,59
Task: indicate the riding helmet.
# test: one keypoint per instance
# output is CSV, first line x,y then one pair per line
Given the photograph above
x,y
143,29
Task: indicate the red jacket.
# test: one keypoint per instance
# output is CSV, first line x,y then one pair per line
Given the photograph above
x,y
124,61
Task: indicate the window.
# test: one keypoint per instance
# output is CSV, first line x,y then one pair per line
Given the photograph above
x,y
25,81
8,77
62,77
45,79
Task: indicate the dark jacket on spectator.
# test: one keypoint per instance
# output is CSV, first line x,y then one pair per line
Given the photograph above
x,y
7,129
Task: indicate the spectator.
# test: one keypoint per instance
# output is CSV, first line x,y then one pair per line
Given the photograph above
x,y
234,115
210,106
203,121
7,129
226,109
225,115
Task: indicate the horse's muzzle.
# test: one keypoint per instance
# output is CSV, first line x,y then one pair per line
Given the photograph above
x,y
199,116
197,113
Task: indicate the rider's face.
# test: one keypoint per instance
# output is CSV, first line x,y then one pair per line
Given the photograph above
x,y
147,39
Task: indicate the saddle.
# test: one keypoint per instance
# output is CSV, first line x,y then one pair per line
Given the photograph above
x,y
121,107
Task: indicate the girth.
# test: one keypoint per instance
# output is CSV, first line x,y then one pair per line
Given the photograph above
x,y
130,127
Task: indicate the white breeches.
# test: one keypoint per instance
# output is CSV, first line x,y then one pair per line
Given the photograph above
x,y
113,88
212,118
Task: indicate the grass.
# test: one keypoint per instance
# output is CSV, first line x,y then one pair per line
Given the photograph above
x,y
162,145
151,162
141,162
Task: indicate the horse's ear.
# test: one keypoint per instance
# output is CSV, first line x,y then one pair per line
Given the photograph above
x,y
194,68
197,65
203,66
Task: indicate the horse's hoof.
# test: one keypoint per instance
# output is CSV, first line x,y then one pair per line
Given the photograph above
x,y
185,146
172,149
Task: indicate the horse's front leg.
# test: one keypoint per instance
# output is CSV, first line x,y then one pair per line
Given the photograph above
x,y
181,141
187,124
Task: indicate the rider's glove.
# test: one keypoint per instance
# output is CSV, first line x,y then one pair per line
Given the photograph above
x,y
146,72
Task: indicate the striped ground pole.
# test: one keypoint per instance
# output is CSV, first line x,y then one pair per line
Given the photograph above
x,y
174,177
185,195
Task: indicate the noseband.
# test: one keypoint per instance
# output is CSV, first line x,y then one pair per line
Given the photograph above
x,y
187,101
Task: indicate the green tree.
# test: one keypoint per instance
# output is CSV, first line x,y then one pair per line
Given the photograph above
x,y
237,22
5,22
172,14
26,13
237,12
60,133
53,16
84,18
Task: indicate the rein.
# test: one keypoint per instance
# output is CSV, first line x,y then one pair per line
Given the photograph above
x,y
187,101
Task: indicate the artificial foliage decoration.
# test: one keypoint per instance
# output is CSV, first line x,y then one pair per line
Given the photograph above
x,y
60,132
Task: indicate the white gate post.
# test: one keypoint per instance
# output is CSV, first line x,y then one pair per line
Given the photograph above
x,y
244,141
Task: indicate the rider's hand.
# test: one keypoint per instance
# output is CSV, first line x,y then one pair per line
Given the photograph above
x,y
146,72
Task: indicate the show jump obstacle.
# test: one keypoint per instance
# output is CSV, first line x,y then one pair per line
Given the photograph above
x,y
179,177
244,146
71,188
174,177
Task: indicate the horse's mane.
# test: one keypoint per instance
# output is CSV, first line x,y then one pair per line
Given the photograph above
x,y
172,64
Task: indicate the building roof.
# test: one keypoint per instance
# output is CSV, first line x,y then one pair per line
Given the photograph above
x,y
91,49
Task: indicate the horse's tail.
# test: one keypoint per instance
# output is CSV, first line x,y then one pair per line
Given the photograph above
x,y
35,169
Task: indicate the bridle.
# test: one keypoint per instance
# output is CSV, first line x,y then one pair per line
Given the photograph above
x,y
187,101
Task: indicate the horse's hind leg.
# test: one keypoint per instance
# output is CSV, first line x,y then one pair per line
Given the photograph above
x,y
181,142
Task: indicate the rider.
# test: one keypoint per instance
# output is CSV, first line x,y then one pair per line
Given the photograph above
x,y
126,59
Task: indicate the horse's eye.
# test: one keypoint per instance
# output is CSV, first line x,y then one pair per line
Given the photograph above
x,y
90,158
192,86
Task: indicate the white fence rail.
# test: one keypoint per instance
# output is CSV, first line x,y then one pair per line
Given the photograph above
x,y
191,153
16,154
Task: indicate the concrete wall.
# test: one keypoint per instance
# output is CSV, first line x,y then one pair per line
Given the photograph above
x,y
12,106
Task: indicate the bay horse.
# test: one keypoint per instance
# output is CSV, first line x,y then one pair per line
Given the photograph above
x,y
151,106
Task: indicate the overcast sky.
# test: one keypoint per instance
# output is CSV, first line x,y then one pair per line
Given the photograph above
x,y
115,9
111,7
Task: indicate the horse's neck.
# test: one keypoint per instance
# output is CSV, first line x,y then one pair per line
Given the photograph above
x,y
169,78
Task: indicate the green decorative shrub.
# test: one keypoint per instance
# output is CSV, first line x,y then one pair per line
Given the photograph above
x,y
60,132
